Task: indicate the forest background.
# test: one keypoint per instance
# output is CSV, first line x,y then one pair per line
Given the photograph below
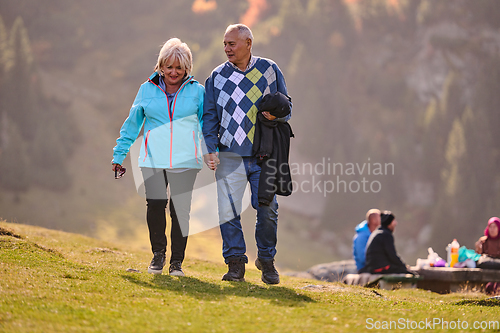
x,y
412,84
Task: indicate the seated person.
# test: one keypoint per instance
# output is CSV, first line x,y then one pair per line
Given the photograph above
x,y
381,256
489,246
363,232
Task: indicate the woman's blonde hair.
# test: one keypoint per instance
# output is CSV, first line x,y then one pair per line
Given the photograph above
x,y
175,49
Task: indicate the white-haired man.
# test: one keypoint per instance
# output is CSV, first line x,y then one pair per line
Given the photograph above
x,y
363,232
233,91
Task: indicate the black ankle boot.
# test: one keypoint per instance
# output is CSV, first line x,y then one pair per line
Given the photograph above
x,y
236,271
269,273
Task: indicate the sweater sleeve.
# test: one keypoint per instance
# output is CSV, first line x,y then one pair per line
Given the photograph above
x,y
130,129
281,86
211,121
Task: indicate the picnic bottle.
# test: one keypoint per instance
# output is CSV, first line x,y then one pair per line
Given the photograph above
x,y
454,252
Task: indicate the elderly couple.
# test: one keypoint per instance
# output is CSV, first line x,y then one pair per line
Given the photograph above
x,y
176,111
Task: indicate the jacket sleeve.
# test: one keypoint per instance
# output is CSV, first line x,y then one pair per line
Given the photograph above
x,y
211,121
359,249
390,251
130,129
200,105
281,86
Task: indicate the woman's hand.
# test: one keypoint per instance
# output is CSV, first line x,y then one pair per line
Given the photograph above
x,y
211,160
268,115
479,244
119,170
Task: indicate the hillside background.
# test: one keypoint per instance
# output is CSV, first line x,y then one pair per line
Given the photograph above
x,y
411,84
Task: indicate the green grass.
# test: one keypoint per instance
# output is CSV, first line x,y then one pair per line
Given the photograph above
x,y
52,281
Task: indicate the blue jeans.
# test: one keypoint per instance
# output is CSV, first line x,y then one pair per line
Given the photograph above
x,y
232,176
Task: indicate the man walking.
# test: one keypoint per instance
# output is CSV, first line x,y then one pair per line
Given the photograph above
x,y
233,92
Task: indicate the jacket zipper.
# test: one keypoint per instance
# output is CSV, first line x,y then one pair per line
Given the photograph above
x,y
146,145
171,115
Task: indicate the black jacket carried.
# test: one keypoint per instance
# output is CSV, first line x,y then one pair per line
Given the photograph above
x,y
271,147
381,252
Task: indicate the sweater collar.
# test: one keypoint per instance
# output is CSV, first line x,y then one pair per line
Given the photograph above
x,y
251,63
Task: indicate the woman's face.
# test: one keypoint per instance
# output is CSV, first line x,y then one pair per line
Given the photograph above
x,y
493,230
173,72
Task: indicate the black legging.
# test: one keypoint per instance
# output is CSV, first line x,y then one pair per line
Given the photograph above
x,y
181,186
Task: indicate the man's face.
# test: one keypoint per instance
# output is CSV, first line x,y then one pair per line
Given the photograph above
x,y
237,49
393,225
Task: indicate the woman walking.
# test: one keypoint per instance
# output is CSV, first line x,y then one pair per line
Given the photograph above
x,y
170,106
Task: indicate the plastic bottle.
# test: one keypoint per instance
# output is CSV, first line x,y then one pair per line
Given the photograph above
x,y
448,255
432,257
453,252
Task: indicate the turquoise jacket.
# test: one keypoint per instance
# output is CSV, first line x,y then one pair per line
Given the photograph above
x,y
172,138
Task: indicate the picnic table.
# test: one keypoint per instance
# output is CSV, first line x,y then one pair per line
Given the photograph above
x,y
442,280
445,279
382,281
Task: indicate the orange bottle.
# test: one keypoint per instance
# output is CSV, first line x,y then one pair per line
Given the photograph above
x,y
454,252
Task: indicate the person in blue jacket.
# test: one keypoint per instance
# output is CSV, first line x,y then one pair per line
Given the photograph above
x,y
170,107
381,255
363,232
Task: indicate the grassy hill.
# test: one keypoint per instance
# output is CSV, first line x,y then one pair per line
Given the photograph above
x,y
52,281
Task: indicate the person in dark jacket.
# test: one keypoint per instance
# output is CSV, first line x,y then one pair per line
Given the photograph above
x,y
271,147
381,256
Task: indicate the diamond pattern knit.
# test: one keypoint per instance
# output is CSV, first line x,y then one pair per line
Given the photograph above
x,y
237,93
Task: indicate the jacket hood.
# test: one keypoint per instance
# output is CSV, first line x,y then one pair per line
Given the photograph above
x,y
361,227
384,228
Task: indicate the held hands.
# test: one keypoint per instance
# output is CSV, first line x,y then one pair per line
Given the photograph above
x,y
211,160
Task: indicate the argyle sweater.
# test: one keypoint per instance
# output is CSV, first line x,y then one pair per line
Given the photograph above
x,y
231,100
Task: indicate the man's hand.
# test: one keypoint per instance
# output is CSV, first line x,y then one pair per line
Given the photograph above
x,y
211,160
268,115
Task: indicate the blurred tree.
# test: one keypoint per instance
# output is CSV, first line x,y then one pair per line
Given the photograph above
x,y
4,54
21,103
14,161
4,46
39,129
